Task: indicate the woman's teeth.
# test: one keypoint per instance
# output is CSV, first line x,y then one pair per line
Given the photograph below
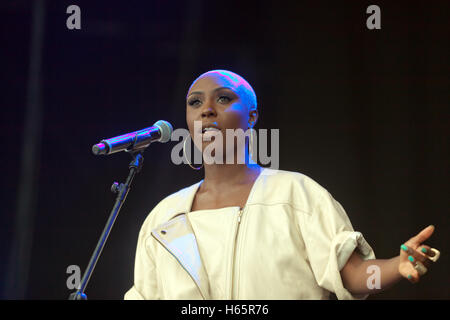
x,y
209,129
209,133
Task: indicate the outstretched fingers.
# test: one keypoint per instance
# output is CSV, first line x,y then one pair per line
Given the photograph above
x,y
421,237
416,257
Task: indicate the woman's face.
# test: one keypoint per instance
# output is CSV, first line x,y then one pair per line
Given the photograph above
x,y
217,101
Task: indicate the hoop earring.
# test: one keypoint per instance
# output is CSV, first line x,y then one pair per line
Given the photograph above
x,y
250,147
187,160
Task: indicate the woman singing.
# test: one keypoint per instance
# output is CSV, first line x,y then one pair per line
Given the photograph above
x,y
247,232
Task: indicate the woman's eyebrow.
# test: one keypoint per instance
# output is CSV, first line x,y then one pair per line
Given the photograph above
x,y
215,90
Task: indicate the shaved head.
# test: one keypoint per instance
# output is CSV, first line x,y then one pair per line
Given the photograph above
x,y
238,83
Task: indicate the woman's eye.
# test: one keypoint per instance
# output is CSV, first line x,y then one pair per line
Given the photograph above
x,y
194,102
224,99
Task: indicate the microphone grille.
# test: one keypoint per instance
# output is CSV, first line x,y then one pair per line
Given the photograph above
x,y
166,130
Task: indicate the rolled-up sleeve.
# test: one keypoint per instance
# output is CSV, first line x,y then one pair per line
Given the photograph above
x,y
330,240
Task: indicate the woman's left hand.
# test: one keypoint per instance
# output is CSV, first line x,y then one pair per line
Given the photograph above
x,y
414,256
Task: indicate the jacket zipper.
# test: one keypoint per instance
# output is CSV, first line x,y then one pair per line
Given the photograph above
x,y
241,210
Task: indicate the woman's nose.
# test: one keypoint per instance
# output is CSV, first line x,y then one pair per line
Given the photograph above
x,y
208,112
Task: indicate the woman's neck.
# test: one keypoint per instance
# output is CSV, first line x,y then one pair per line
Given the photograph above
x,y
219,176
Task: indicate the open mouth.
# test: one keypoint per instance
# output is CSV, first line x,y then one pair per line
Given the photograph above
x,y
210,129
208,132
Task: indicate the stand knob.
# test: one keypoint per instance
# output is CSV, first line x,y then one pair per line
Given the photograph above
x,y
115,187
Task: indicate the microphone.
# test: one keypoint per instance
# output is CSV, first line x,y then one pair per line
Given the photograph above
x,y
161,131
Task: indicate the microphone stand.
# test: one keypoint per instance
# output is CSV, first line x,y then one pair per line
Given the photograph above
x,y
122,191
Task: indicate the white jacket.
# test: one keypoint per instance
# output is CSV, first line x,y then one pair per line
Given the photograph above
x,y
290,241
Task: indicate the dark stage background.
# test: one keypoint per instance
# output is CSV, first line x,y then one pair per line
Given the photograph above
x,y
363,112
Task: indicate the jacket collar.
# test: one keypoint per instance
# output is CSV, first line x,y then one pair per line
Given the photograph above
x,y
185,197
183,201
177,236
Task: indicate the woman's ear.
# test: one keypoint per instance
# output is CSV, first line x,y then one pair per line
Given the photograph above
x,y
253,118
